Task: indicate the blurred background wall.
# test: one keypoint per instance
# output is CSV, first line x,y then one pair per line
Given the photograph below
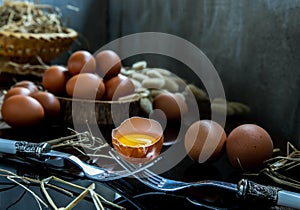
x,y
253,44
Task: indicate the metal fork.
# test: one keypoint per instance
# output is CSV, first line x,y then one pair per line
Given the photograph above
x,y
90,171
42,152
245,189
160,183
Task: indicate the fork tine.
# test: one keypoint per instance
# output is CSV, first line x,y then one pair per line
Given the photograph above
x,y
155,177
131,167
133,170
153,180
147,177
120,161
151,174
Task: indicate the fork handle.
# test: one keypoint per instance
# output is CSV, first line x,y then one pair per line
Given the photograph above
x,y
251,190
23,147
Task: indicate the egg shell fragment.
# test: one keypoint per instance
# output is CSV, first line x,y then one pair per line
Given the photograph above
x,y
138,125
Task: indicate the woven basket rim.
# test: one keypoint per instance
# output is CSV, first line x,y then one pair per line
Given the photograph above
x,y
97,101
68,33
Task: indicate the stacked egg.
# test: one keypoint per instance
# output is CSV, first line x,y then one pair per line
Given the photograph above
x,y
84,77
89,77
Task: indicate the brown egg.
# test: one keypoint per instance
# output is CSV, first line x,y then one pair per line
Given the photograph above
x,y
117,87
108,64
204,141
248,146
173,105
49,102
27,84
55,79
138,139
17,91
22,111
86,86
81,62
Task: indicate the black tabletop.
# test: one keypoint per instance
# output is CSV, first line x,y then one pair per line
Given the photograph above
x,y
127,192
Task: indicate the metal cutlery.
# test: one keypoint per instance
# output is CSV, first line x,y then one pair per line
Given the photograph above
x,y
43,152
245,189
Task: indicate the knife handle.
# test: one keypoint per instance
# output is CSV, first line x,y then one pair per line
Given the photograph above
x,y
288,199
276,196
8,146
23,147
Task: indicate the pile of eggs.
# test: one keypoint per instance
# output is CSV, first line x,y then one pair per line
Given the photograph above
x,y
25,105
85,77
247,146
89,77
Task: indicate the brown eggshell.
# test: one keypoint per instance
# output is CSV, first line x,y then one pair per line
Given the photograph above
x,y
86,86
108,64
117,87
204,141
138,125
55,79
174,106
22,111
81,62
248,146
49,102
27,84
17,91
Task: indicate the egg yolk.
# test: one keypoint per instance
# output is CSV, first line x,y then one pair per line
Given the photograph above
x,y
136,139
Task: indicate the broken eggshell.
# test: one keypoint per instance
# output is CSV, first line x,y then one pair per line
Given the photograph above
x,y
138,153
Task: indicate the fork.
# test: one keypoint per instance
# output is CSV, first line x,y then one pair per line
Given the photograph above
x,y
92,172
245,189
160,183
43,152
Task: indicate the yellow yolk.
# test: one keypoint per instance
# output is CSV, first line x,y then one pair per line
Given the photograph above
x,y
136,139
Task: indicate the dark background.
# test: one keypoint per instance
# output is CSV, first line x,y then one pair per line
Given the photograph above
x,y
253,44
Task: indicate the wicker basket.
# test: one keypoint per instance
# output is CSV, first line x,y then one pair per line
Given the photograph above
x,y
25,47
80,111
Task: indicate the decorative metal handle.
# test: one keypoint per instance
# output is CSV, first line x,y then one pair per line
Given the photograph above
x,y
23,147
253,191
275,196
32,149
